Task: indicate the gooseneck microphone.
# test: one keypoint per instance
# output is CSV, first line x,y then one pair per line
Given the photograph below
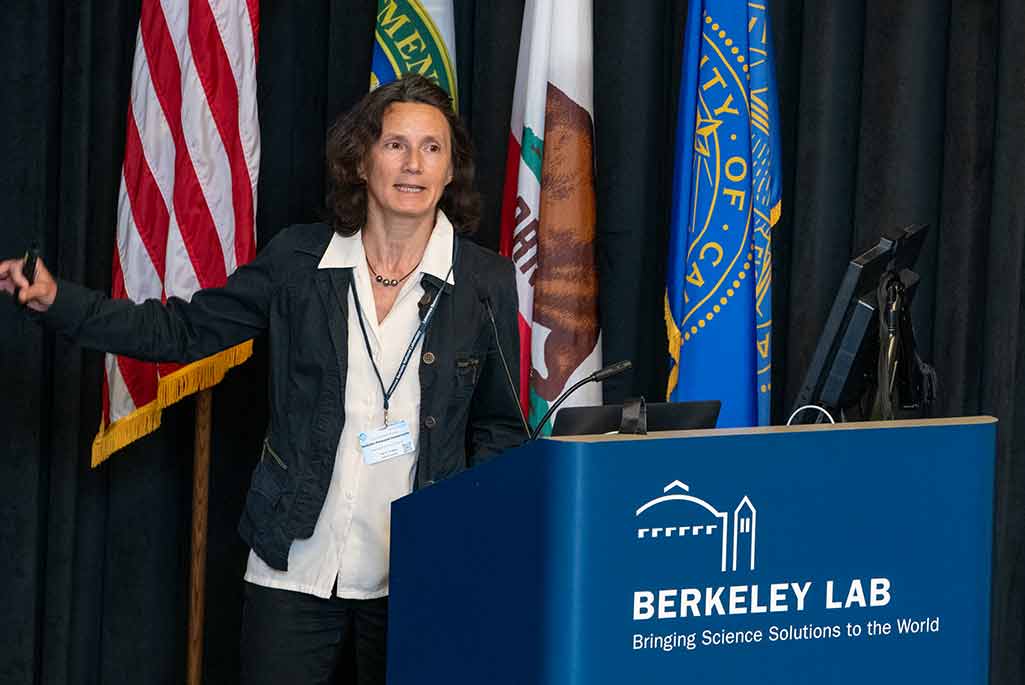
x,y
599,375
486,301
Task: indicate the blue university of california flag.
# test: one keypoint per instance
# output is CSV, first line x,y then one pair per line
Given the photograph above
x,y
726,199
415,36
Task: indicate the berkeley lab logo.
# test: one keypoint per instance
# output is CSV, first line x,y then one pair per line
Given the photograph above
x,y
677,517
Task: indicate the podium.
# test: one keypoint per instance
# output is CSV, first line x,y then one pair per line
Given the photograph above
x,y
842,554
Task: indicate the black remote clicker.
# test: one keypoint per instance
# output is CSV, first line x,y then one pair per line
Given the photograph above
x,y
28,268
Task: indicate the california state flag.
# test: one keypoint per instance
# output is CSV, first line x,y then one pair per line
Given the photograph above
x,y
548,213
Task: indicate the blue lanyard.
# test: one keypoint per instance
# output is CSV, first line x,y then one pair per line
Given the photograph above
x,y
417,336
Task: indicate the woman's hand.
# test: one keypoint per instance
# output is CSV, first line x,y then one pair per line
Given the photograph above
x,y
37,296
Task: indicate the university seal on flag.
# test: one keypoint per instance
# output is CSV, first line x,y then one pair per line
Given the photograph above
x,y
406,40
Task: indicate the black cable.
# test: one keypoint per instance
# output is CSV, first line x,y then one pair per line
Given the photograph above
x,y
505,365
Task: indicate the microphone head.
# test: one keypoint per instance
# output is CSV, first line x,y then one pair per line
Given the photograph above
x,y
612,370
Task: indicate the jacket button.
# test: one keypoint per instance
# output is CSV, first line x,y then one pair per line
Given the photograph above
x,y
430,422
428,357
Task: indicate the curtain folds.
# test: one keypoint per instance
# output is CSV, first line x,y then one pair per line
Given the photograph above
x,y
892,113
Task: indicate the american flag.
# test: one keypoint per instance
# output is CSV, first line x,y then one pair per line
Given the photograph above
x,y
188,190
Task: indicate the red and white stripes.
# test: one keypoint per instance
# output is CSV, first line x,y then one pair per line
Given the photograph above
x,y
186,208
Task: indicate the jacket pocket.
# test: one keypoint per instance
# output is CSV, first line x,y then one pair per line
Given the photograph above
x,y
467,372
270,482
268,451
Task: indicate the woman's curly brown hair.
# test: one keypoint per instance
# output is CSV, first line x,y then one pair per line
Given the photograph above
x,y
349,141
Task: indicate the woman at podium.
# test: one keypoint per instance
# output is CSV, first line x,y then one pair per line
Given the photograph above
x,y
385,371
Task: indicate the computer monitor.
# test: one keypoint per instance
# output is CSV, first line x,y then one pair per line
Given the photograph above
x,y
662,416
843,368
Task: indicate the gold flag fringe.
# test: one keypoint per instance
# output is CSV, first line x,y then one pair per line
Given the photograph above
x,y
675,341
199,375
128,429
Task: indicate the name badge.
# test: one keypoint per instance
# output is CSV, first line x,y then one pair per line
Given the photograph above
x,y
386,443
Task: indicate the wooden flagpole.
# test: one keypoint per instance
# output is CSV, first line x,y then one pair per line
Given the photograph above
x,y
200,503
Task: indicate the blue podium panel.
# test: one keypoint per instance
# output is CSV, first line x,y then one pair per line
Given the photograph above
x,y
804,555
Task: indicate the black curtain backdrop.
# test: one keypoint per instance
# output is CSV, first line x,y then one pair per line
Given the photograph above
x,y
892,113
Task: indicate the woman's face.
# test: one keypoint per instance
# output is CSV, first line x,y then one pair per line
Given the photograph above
x,y
408,167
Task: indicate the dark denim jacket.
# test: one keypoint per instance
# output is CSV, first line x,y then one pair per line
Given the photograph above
x,y
467,413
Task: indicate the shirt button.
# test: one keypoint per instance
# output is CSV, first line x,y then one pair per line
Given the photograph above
x,y
428,357
430,422
348,495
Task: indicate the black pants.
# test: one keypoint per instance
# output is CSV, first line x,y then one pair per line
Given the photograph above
x,y
294,638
